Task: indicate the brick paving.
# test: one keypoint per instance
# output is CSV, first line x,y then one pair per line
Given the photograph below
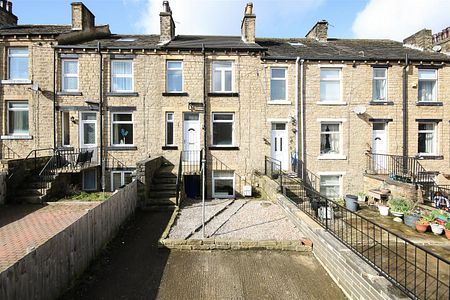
x,y
25,227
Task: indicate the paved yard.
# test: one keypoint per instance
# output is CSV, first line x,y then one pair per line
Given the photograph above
x,y
25,227
133,267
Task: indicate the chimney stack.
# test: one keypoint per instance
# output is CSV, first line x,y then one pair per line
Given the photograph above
x,y
422,39
82,18
167,25
7,18
319,31
248,25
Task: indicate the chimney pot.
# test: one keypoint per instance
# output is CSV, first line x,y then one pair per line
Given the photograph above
x,y
3,3
6,13
9,7
166,7
249,9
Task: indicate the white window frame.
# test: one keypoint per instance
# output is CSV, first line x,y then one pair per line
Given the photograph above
x,y
9,109
18,55
340,100
223,121
222,76
279,79
339,174
64,129
435,90
96,180
435,137
69,75
214,178
122,178
339,155
385,78
173,128
121,122
122,76
174,69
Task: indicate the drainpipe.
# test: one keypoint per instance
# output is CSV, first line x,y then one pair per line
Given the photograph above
x,y
204,115
102,162
302,114
296,110
54,99
405,112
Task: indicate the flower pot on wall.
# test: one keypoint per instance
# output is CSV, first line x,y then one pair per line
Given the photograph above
x,y
422,228
384,210
437,228
447,233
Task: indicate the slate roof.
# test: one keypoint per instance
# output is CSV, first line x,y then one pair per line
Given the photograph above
x,y
124,41
35,29
344,49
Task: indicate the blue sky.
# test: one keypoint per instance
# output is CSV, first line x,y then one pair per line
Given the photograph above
x,y
393,19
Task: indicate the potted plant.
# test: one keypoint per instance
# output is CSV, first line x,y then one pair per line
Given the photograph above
x,y
383,208
422,225
361,196
447,230
437,228
411,217
442,215
398,206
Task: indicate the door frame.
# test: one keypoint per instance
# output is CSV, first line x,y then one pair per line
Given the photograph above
x,y
286,136
379,162
185,139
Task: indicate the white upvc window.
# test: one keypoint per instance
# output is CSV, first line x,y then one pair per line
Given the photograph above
x,y
122,129
330,138
174,77
223,184
69,75
330,85
331,186
427,85
65,122
169,129
120,179
222,76
379,84
18,63
223,124
278,84
427,139
122,76
17,118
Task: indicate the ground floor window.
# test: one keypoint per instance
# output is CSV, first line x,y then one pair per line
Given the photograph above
x,y
120,178
223,184
65,128
122,129
90,180
330,186
17,118
427,138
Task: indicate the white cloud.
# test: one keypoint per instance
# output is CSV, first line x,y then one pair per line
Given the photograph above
x,y
400,18
215,17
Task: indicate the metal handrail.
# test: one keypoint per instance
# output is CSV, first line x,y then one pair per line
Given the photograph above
x,y
179,181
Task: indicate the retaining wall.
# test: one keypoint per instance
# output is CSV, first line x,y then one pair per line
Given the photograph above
x,y
145,170
45,272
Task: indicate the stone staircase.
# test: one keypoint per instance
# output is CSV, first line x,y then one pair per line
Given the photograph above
x,y
164,186
32,190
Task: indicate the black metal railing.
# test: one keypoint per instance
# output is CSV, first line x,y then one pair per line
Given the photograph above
x,y
191,161
115,163
272,168
218,165
308,177
179,187
417,271
8,153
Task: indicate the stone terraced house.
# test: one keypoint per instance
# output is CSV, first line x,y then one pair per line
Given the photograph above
x,y
318,102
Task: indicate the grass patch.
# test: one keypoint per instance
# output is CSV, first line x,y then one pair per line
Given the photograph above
x,y
84,196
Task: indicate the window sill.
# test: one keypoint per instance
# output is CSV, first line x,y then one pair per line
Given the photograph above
x,y
69,94
175,94
278,102
331,103
16,81
223,94
429,157
332,157
121,148
225,148
381,102
121,94
16,137
170,147
429,103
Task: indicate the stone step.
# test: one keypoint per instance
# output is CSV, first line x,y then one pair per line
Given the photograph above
x,y
30,192
28,199
163,187
162,201
167,180
162,194
165,175
167,169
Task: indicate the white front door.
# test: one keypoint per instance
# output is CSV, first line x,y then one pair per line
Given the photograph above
x,y
88,133
191,137
279,144
379,145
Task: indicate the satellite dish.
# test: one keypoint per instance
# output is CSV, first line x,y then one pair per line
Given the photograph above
x,y
359,110
437,48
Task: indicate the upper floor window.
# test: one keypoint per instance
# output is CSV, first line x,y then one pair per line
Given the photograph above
x,y
18,118
122,129
427,84
379,87
223,129
121,76
174,76
278,84
222,76
18,63
330,85
427,138
70,75
330,138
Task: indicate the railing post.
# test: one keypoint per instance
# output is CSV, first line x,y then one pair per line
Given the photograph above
x,y
265,165
326,213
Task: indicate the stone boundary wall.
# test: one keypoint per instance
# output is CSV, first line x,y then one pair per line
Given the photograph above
x,y
355,277
3,191
145,170
45,272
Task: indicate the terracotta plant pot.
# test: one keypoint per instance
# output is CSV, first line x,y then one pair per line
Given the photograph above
x,y
447,233
422,227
